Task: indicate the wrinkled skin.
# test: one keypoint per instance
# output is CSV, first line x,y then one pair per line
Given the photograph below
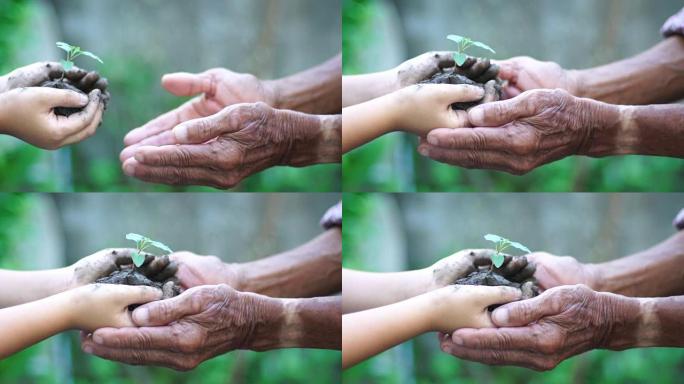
x,y
195,270
541,332
181,332
223,149
525,73
520,134
552,271
217,88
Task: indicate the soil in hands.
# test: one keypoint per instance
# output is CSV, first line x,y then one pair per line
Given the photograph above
x,y
130,275
481,73
506,276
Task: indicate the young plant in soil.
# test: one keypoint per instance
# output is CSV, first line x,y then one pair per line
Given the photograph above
x,y
497,274
139,273
72,52
472,71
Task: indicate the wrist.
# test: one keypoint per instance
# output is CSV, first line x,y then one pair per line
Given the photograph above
x,y
316,138
607,133
273,93
266,318
630,321
427,309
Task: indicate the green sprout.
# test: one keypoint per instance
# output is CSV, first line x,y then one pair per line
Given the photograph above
x,y
142,243
463,44
501,245
72,53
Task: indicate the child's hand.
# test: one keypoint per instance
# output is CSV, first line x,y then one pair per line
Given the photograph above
x,y
465,306
28,114
421,108
35,74
96,306
102,263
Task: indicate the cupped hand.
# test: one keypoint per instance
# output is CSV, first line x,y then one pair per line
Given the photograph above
x,y
421,108
102,263
223,149
182,332
525,73
552,271
106,305
194,270
421,68
217,88
523,133
459,306
34,75
541,332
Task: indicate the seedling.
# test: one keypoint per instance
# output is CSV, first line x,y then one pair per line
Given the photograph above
x,y
72,53
463,44
142,243
501,245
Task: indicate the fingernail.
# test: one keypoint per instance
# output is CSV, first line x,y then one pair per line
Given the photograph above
x,y
180,132
141,316
500,316
97,339
433,140
129,169
476,115
422,150
457,340
88,349
84,99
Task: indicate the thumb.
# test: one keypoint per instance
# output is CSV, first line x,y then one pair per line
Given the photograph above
x,y
449,93
198,131
498,113
521,313
187,84
497,295
53,97
165,311
139,294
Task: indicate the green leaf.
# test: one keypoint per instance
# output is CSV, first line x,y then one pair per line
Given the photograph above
x,y
456,38
493,238
91,55
67,65
64,46
135,237
498,259
460,58
138,259
483,46
519,246
161,246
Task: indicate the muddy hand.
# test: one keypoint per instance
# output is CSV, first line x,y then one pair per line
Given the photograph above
x,y
223,149
541,332
182,332
525,73
102,263
217,89
422,67
523,133
34,75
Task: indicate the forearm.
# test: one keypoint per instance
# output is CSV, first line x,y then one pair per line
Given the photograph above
x,y
651,273
316,139
361,88
312,269
317,90
27,324
366,290
654,76
656,130
24,286
366,121
370,332
646,322
297,323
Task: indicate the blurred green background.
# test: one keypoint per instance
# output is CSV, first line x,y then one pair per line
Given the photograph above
x,y
139,41
42,231
396,232
380,34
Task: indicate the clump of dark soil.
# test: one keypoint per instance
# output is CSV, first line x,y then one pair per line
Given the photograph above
x,y
129,275
63,84
478,72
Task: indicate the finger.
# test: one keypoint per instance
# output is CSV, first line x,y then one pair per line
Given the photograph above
x,y
88,81
172,175
75,74
90,129
496,338
477,69
187,156
501,112
135,356
189,110
160,139
81,120
494,160
101,84
122,256
524,273
489,74
155,265
53,97
481,257
166,311
494,357
511,266
168,272
448,93
138,294
524,312
478,139
201,130
189,84
486,296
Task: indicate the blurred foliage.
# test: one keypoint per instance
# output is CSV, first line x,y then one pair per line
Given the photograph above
x,y
391,163
136,98
430,365
59,360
